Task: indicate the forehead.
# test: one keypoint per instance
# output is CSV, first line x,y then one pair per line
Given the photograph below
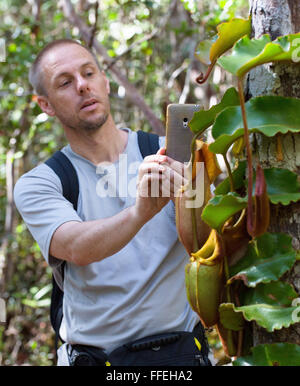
x,y
65,58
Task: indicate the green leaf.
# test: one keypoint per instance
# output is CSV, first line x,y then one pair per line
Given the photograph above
x,y
282,186
271,305
267,115
276,293
274,354
244,51
267,259
43,291
229,318
205,118
33,345
238,176
220,208
12,48
37,303
269,317
249,53
228,33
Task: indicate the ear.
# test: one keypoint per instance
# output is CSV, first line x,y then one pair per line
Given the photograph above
x,y
45,105
107,85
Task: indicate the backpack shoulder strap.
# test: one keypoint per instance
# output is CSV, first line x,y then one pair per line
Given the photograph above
x,y
148,143
56,308
63,167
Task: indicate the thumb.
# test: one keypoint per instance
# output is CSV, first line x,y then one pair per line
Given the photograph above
x,y
161,151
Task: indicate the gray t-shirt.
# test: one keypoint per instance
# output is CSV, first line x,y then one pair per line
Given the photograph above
x,y
136,292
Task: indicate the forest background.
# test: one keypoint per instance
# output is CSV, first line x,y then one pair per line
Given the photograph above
x,y
147,49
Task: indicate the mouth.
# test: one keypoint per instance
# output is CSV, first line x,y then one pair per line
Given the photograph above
x,y
88,105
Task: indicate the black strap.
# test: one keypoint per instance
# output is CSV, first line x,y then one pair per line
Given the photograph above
x,y
148,143
56,308
63,167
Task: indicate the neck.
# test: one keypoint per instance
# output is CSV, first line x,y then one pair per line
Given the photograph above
x,y
105,144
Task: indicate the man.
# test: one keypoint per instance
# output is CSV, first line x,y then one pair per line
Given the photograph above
x,y
124,272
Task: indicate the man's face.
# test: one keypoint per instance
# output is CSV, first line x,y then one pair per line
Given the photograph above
x,y
77,91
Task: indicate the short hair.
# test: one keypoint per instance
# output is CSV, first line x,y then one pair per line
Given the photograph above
x,y
35,74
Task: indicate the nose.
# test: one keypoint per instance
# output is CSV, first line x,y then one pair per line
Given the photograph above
x,y
82,85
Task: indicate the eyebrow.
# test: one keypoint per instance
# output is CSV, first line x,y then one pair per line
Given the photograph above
x,y
67,73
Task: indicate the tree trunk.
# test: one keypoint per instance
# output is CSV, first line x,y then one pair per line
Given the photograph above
x,y
276,18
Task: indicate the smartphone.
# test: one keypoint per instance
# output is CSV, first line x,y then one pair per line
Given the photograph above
x,y
178,134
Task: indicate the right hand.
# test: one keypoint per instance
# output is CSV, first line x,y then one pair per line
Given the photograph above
x,y
158,181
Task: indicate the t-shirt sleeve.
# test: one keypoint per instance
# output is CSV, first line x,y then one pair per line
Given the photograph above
x,y
39,199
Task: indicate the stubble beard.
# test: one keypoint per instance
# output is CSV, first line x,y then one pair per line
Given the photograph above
x,y
84,125
92,126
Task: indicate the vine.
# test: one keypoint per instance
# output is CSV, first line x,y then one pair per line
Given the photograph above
x,y
234,273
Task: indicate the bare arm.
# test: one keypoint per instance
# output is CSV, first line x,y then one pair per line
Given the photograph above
x,y
89,241
85,242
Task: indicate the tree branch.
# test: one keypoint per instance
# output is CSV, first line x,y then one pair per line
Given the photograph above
x,y
94,29
186,88
155,33
131,92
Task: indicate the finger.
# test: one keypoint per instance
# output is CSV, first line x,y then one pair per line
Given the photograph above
x,y
151,180
159,158
149,168
174,176
149,185
161,151
177,166
170,189
158,187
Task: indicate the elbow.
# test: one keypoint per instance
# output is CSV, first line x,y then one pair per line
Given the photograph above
x,y
80,262
81,258
78,258
77,246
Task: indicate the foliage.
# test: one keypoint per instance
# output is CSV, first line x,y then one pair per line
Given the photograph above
x,y
252,289
263,116
276,354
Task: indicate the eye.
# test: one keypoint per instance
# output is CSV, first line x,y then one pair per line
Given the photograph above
x,y
89,73
65,83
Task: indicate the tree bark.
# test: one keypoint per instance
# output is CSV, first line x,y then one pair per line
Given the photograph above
x,y
276,18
